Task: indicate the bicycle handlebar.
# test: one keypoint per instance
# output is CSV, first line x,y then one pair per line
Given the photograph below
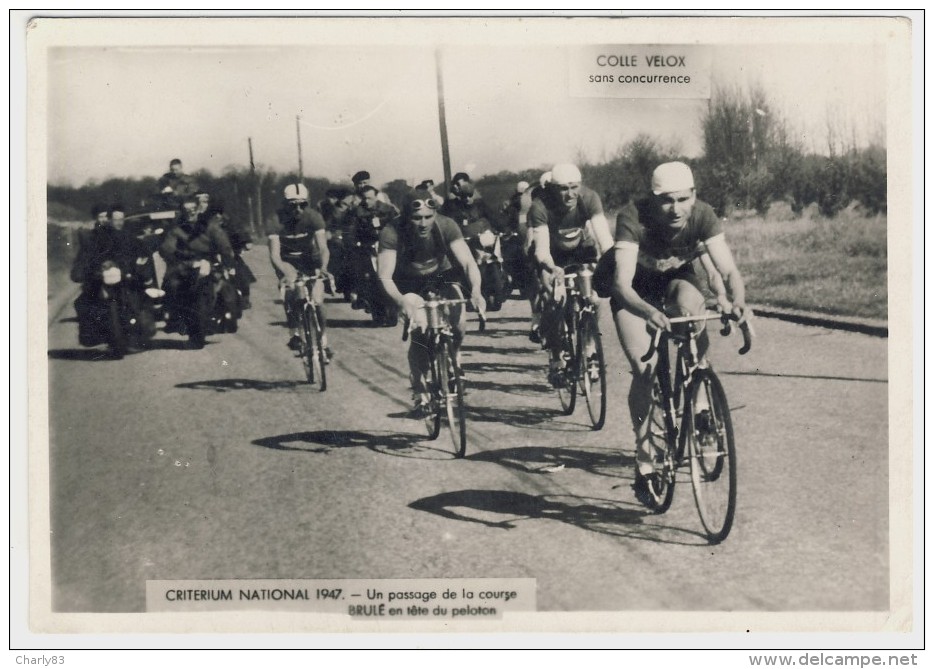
x,y
746,328
406,324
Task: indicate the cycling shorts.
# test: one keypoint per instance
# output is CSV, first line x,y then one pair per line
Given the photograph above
x,y
652,286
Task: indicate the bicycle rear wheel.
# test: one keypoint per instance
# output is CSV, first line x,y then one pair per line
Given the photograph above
x,y
311,350
591,371
432,412
452,390
712,450
566,377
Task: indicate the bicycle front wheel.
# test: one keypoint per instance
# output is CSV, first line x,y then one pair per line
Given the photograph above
x,y
432,413
712,450
452,389
312,350
565,378
591,372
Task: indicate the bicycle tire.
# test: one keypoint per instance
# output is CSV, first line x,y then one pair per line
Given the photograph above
x,y
452,390
312,351
593,390
567,377
712,451
662,484
432,413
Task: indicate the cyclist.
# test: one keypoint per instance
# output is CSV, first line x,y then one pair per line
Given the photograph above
x,y
657,238
568,227
298,243
423,251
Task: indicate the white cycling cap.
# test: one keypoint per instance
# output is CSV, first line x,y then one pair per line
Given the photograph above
x,y
296,192
544,179
671,178
522,186
565,173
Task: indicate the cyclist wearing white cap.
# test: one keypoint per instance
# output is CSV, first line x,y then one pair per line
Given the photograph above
x,y
298,243
569,227
657,240
423,251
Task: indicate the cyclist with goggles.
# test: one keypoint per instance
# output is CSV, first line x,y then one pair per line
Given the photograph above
x,y
298,243
423,251
568,227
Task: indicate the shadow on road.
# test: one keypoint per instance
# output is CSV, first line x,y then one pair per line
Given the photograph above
x,y
503,509
508,367
804,376
502,350
323,441
81,354
278,324
525,416
546,460
523,389
68,319
228,385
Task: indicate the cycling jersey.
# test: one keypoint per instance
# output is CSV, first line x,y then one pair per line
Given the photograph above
x,y
566,227
420,261
665,253
296,233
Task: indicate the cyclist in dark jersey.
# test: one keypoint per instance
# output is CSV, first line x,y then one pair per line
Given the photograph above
x,y
657,240
421,252
568,227
298,243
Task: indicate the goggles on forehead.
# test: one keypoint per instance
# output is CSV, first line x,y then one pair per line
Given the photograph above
x,y
424,204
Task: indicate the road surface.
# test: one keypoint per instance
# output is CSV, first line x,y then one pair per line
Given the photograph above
x,y
224,464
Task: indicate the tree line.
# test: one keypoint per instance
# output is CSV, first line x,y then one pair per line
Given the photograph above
x,y
751,158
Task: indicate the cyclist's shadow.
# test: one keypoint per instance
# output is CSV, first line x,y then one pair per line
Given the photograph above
x,y
605,516
325,441
545,460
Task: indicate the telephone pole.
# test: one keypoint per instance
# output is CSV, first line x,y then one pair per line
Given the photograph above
x,y
445,155
298,134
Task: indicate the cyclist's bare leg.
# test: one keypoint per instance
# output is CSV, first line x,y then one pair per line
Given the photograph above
x,y
686,299
317,296
418,361
635,341
457,316
550,314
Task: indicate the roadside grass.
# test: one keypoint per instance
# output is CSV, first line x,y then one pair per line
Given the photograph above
x,y
836,266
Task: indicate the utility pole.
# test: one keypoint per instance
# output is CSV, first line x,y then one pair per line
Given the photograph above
x,y
259,191
298,134
445,155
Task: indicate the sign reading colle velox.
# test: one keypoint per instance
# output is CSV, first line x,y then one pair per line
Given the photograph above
x,y
639,71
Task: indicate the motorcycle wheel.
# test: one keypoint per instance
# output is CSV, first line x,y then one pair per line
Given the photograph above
x,y
117,336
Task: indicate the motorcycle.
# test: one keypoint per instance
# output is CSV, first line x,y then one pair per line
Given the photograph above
x,y
494,282
116,311
370,289
227,301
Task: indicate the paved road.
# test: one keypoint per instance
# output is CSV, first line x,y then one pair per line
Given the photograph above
x,y
222,463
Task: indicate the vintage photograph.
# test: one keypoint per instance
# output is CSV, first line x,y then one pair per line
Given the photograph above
x,y
470,324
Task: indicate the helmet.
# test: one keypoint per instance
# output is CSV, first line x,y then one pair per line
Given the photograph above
x,y
565,173
522,186
296,192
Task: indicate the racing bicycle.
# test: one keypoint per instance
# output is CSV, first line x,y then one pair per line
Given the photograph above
x,y
311,331
690,417
445,382
584,368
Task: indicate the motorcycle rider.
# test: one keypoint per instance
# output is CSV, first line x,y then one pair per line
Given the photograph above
x,y
368,220
189,250
298,243
108,251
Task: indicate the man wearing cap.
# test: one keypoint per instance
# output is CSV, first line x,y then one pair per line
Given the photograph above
x,y
657,239
175,185
189,249
421,252
568,227
298,243
368,219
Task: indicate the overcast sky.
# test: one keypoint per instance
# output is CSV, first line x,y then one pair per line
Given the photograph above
x,y
125,111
